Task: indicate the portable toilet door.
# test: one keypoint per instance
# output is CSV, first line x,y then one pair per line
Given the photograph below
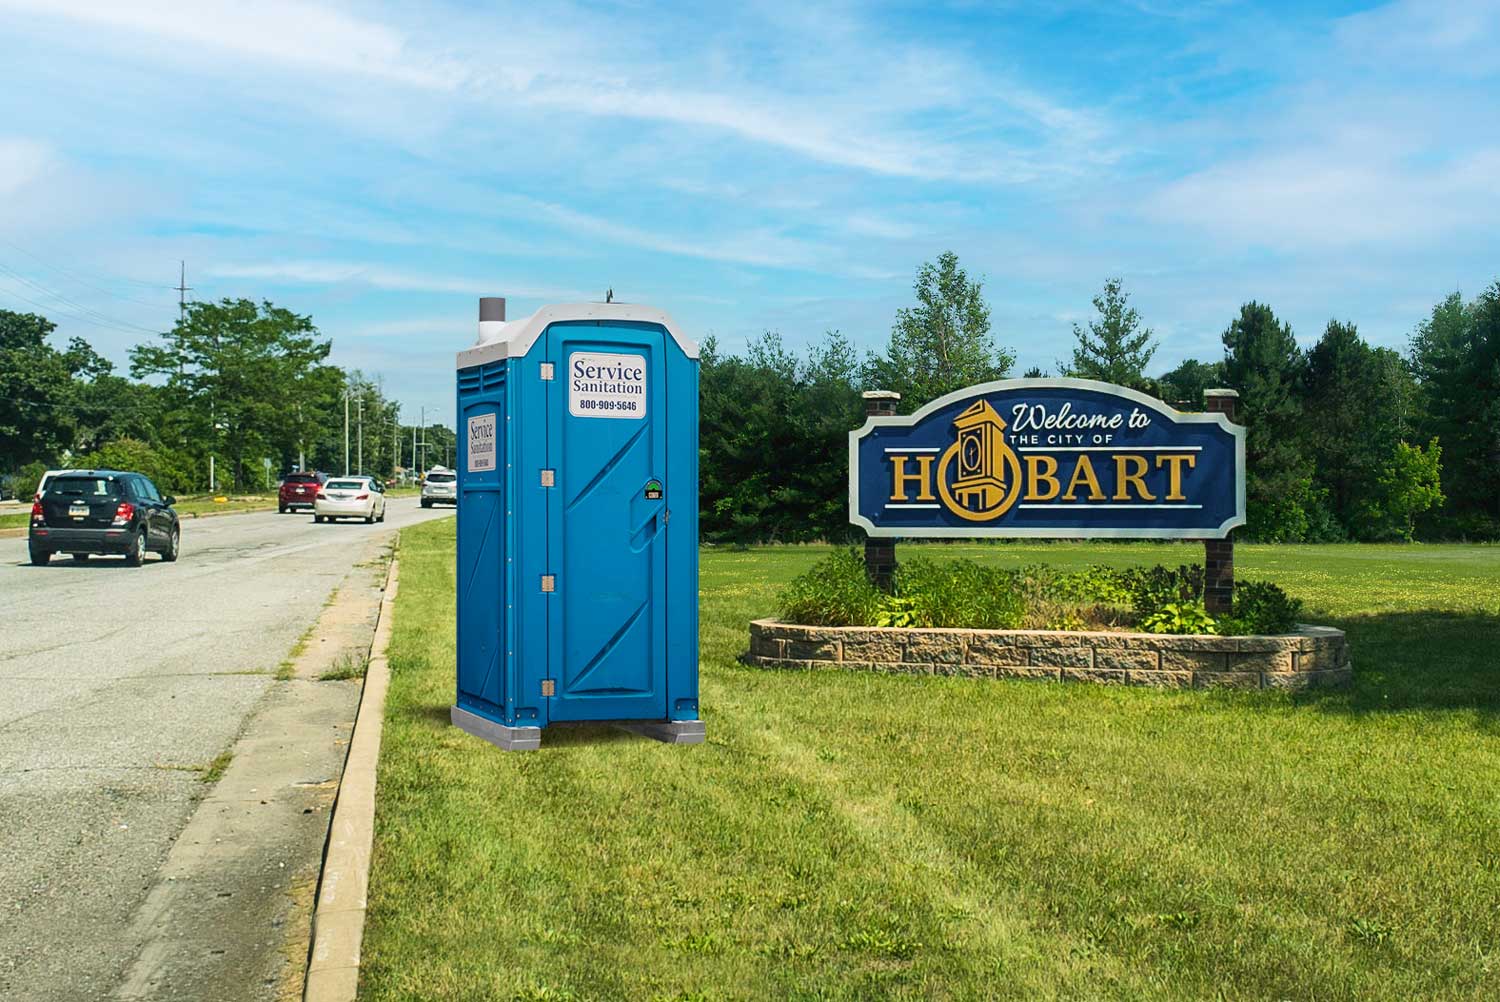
x,y
607,444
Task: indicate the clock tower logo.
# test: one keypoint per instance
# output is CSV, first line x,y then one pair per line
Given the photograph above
x,y
987,480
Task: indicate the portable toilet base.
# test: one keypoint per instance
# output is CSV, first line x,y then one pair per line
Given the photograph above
x,y
672,732
577,563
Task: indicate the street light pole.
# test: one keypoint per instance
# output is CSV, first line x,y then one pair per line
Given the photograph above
x,y
361,466
424,439
346,431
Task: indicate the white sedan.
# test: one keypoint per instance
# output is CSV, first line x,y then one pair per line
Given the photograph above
x,y
350,497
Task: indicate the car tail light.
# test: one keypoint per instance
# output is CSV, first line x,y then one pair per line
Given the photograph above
x,y
320,491
361,497
124,513
36,511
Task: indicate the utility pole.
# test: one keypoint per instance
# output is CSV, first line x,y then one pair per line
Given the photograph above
x,y
346,431
423,464
395,440
416,470
361,465
182,290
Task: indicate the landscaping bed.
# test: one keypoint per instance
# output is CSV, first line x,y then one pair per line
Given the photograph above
x,y
1311,656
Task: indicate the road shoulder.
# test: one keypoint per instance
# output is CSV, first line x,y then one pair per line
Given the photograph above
x,y
229,914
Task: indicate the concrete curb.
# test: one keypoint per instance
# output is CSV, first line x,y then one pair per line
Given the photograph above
x,y
339,916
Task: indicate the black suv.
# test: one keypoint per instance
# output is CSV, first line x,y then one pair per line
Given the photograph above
x,y
103,511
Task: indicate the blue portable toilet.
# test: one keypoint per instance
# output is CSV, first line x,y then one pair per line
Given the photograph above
x,y
577,567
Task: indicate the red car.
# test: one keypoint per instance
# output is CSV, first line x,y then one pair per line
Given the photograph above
x,y
299,490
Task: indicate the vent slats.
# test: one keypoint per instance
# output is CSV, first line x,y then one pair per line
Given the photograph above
x,y
481,379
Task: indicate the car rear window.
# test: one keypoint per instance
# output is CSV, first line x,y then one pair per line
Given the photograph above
x,y
301,478
100,487
441,478
345,485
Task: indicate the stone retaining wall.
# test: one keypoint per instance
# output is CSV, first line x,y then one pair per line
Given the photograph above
x,y
1312,656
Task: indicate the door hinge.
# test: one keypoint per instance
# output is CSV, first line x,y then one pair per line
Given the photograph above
x,y
549,687
549,478
549,582
666,516
546,370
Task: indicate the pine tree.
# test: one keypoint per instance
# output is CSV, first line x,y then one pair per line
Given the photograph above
x,y
1353,400
1115,348
1456,357
1262,361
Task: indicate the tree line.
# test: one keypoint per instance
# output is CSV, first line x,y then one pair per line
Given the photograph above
x,y
241,385
1346,440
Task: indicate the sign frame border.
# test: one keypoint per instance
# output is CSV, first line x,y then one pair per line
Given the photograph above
x,y
1058,382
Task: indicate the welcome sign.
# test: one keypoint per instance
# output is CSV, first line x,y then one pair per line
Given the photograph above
x,y
1048,457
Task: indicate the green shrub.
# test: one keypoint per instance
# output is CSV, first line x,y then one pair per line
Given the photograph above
x,y
27,479
169,471
1096,584
897,611
960,593
965,594
1260,607
1179,617
835,592
1153,588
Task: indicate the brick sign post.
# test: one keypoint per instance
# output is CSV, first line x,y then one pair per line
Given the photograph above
x,y
1218,554
880,554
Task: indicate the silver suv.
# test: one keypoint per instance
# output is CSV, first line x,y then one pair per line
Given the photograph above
x,y
440,486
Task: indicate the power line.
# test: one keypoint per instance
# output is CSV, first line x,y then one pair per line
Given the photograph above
x,y
80,319
86,310
83,281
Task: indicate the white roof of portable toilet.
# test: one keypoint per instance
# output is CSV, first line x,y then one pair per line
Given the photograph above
x,y
514,338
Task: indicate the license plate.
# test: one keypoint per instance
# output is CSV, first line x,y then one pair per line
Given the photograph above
x,y
301,490
79,511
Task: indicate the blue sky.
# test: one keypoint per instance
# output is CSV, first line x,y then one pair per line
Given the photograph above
x,y
782,166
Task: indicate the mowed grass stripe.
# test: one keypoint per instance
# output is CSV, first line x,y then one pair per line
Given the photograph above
x,y
855,836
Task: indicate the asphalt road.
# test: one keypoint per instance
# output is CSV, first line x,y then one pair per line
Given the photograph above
x,y
117,686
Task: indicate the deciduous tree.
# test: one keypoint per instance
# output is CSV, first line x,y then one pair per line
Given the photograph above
x,y
941,344
235,367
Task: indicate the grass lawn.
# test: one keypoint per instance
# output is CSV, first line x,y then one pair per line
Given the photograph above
x,y
847,836
191,506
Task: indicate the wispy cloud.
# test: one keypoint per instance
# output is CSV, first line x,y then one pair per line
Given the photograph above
x,y
873,123
294,34
382,277
1335,198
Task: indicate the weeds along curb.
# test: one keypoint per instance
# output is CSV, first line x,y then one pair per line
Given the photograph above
x,y
339,915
